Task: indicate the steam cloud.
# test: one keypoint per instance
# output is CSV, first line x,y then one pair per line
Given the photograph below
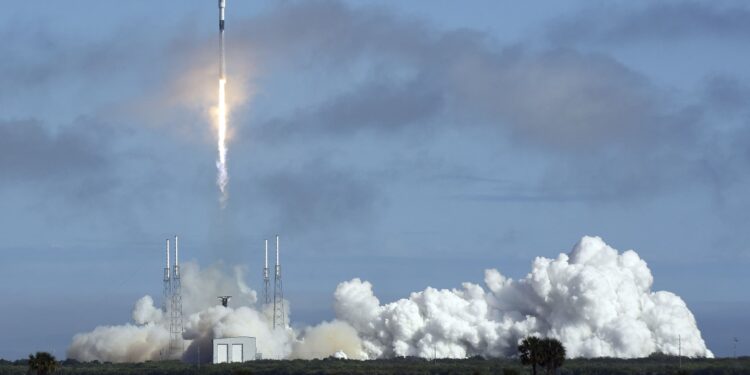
x,y
597,301
147,338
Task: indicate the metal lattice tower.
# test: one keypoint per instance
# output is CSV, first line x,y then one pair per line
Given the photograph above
x,y
165,303
176,327
278,294
266,280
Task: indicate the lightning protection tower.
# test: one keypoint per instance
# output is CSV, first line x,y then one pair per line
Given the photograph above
x,y
266,280
176,328
278,293
165,303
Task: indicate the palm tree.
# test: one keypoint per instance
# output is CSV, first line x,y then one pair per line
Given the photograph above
x,y
547,353
529,352
42,363
552,354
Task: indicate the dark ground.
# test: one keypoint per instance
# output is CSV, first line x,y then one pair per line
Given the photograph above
x,y
652,365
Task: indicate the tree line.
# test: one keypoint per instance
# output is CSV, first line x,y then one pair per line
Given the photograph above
x,y
535,356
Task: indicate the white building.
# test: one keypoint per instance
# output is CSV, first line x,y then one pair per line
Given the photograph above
x,y
234,349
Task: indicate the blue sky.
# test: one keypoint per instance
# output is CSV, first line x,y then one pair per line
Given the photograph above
x,y
412,144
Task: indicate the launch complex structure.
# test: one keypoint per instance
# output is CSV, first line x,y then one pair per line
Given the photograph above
x,y
279,314
278,289
172,303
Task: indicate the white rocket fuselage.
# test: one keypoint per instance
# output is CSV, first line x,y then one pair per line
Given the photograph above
x,y
222,66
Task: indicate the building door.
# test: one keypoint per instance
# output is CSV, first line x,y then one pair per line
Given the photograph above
x,y
223,351
237,353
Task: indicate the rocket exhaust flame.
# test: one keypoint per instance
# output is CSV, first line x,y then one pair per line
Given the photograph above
x,y
222,177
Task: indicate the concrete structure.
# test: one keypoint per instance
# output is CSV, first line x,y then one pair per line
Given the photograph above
x,y
234,349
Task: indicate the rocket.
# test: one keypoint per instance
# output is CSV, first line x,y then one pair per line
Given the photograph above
x,y
222,66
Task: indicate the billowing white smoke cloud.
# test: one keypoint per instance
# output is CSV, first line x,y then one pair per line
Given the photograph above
x,y
220,321
148,338
145,312
596,301
126,343
336,338
200,288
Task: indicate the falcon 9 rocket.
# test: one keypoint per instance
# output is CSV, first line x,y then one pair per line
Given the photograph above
x,y
222,67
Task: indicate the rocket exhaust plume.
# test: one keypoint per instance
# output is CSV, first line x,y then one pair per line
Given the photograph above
x,y
222,177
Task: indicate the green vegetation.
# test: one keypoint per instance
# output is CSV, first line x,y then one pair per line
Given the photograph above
x,y
653,365
547,353
42,363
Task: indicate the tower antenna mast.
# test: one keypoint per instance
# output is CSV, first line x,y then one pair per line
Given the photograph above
x,y
176,328
165,303
266,279
278,293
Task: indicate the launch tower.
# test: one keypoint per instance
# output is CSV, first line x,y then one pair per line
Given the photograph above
x,y
172,303
176,328
278,293
165,303
266,280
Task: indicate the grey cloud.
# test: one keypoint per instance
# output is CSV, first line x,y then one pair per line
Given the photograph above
x,y
317,194
487,189
561,99
31,152
657,20
380,106
726,93
608,130
37,58
601,122
331,32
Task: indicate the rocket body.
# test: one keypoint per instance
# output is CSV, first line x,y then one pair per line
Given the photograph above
x,y
222,5
222,65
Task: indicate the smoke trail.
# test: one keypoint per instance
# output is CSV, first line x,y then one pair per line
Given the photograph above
x,y
221,164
